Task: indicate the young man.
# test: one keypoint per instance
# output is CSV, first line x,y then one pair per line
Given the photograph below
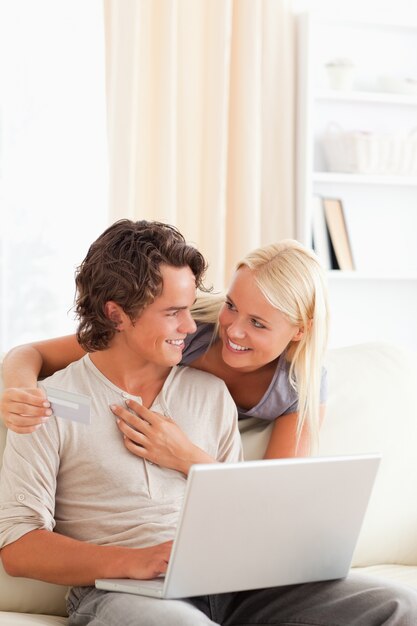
x,y
76,505
114,515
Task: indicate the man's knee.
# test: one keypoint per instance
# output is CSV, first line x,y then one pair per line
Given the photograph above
x,y
135,610
402,605
172,613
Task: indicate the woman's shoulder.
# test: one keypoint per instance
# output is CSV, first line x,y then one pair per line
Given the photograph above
x,y
197,343
281,397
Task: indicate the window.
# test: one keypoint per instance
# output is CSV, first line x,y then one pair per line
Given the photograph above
x,y
53,159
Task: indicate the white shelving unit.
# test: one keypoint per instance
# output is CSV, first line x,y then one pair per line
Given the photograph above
x,y
373,97
379,300
361,179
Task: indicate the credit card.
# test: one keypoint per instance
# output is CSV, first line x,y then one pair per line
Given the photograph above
x,y
69,405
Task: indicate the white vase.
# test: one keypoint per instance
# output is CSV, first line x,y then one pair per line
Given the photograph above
x,y
340,76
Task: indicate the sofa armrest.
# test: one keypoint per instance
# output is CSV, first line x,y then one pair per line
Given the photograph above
x,y
22,594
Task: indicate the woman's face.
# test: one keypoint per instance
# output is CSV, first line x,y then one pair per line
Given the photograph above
x,y
253,332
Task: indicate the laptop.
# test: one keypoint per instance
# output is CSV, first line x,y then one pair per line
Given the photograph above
x,y
266,523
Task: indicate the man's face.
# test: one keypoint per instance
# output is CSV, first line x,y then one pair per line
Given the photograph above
x,y
158,334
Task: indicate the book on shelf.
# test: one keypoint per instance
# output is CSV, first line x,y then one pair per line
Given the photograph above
x,y
321,239
336,225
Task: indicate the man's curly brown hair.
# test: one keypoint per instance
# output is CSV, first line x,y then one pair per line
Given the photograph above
x,y
124,265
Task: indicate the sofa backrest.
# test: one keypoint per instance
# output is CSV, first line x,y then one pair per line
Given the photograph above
x,y
372,407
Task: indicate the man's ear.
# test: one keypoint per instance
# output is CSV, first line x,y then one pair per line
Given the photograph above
x,y
115,313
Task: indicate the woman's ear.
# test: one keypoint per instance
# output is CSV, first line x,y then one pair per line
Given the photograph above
x,y
115,313
300,333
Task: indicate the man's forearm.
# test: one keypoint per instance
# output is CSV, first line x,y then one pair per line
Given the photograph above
x,y
54,558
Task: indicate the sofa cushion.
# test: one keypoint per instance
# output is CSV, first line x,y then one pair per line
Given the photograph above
x,y
400,574
31,619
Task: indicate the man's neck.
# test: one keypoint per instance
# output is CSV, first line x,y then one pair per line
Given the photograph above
x,y
133,375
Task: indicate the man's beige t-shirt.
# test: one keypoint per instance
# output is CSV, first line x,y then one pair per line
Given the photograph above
x,y
80,480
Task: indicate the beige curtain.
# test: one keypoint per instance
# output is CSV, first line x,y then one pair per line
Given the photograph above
x,y
201,120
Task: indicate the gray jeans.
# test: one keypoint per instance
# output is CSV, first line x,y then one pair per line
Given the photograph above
x,y
354,601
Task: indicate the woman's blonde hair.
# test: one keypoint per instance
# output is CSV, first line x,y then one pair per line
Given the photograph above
x,y
292,280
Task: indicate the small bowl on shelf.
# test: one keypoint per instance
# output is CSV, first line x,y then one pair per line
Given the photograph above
x,y
398,84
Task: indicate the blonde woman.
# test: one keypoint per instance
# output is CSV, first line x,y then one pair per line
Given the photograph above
x,y
266,339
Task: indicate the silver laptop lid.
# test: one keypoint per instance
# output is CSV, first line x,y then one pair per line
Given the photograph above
x,y
267,523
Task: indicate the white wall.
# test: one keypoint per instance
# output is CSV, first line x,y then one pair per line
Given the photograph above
x,y
53,160
357,318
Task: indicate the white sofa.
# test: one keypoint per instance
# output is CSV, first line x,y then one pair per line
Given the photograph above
x,y
372,408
